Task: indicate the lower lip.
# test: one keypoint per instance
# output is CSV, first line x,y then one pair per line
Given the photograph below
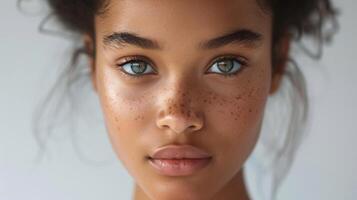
x,y
178,167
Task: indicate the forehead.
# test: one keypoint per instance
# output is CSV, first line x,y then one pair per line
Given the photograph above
x,y
178,20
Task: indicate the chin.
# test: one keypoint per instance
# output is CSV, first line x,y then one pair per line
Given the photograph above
x,y
179,196
179,192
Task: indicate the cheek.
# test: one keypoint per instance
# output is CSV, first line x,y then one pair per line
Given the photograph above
x,y
236,121
242,111
123,117
240,118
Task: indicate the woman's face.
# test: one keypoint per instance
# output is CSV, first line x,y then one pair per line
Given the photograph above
x,y
177,93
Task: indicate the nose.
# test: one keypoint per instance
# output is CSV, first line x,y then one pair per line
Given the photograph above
x,y
179,123
178,115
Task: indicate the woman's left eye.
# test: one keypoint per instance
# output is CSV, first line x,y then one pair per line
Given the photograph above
x,y
227,66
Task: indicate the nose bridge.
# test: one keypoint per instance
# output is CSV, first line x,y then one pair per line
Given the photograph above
x,y
178,109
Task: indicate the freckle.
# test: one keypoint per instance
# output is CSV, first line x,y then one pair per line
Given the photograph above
x,y
250,110
258,90
232,113
205,100
251,92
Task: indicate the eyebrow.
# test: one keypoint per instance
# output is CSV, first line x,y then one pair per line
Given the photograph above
x,y
244,37
121,39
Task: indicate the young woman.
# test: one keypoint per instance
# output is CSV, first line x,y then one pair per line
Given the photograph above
x,y
183,85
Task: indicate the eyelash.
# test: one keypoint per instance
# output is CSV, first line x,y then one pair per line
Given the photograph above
x,y
138,59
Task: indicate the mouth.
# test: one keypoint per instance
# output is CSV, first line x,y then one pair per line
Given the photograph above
x,y
179,160
178,166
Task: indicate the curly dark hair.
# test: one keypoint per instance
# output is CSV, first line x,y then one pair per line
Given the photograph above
x,y
300,18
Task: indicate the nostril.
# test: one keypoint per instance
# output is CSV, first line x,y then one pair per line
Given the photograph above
x,y
192,127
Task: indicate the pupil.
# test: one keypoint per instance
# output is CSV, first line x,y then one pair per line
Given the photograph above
x,y
225,66
138,67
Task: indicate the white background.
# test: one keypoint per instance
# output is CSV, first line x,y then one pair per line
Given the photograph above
x,y
324,168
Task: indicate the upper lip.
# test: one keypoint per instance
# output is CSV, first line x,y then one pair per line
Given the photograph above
x,y
179,151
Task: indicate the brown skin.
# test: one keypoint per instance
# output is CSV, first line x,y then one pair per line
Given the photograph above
x,y
182,102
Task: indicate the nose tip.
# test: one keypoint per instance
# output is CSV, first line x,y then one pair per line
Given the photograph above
x,y
180,123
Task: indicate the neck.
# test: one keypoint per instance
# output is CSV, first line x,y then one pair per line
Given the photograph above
x,y
233,190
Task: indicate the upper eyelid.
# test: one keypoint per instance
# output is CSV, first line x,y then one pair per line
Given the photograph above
x,y
135,58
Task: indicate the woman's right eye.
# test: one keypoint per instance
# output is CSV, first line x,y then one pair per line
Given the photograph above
x,y
136,68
